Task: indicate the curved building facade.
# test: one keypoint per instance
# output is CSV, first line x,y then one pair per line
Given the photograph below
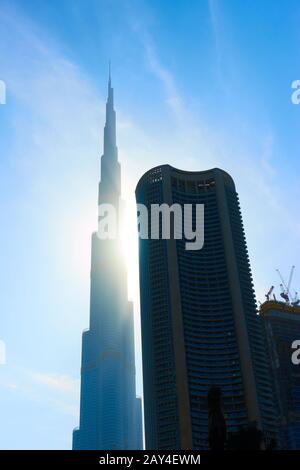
x,y
199,322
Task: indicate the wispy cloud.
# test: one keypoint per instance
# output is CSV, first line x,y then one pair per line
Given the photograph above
x,y
61,383
267,153
213,11
59,391
173,98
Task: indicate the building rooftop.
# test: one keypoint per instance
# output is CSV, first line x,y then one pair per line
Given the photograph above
x,y
278,306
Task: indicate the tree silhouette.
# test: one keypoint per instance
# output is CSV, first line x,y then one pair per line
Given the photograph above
x,y
247,438
216,420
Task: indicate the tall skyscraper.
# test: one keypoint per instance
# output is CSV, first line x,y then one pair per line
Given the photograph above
x,y
198,315
282,327
109,410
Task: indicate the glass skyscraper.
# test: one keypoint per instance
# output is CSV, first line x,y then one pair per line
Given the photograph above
x,y
110,413
199,322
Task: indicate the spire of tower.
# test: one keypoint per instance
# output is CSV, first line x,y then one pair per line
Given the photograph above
x,y
110,89
110,123
109,74
110,185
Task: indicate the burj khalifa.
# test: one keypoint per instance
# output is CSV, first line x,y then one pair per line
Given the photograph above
x,y
110,412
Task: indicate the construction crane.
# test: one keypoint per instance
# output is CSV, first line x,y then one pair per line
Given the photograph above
x,y
290,280
285,288
284,294
268,294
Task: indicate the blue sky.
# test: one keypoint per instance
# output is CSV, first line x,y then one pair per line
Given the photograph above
x,y
198,84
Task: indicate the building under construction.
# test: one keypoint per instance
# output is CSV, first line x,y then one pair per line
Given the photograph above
x,y
281,320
